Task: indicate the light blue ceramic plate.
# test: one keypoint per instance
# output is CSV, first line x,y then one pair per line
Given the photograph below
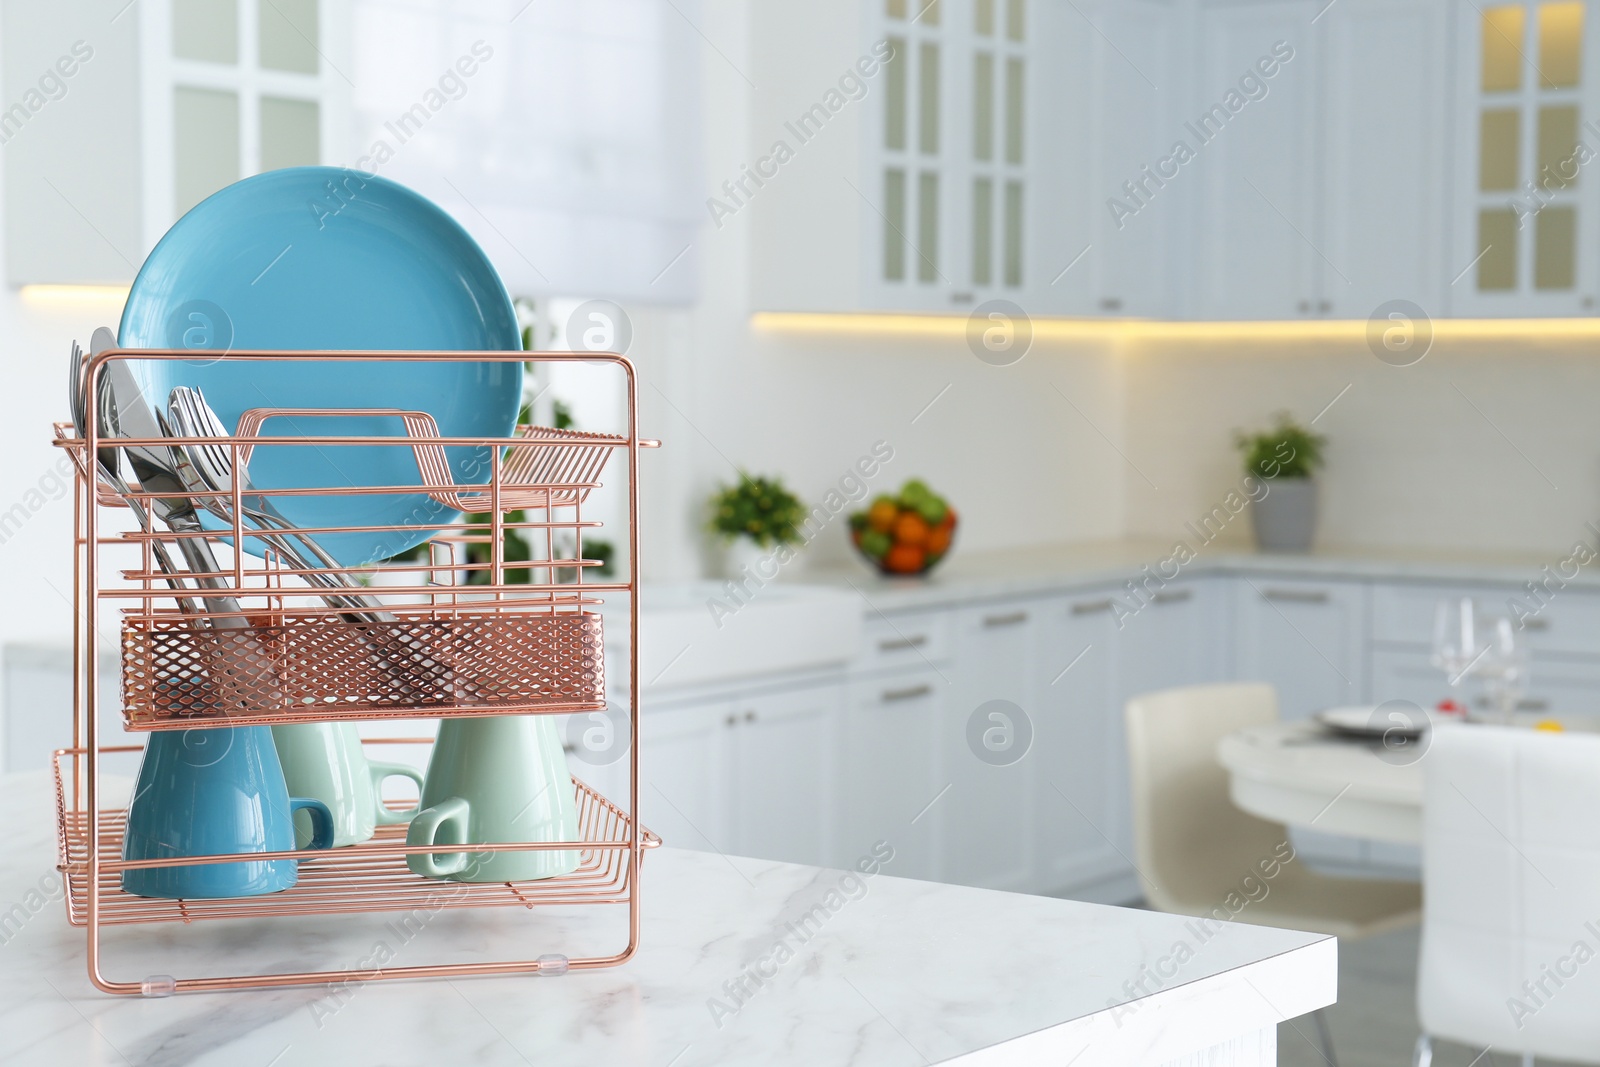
x,y
326,258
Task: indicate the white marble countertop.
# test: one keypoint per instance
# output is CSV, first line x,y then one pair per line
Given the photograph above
x,y
893,972
1019,572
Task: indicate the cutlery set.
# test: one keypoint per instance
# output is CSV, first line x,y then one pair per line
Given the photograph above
x,y
369,398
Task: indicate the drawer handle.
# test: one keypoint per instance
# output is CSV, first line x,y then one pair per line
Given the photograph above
x,y
1535,624
1008,619
1174,596
900,644
1297,596
1089,607
910,692
1525,704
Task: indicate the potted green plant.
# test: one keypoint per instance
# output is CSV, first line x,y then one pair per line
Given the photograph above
x,y
1284,459
756,517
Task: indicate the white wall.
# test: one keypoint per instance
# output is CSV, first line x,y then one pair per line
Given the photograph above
x,y
1481,445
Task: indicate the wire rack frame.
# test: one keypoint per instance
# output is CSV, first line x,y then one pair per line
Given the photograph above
x,y
370,877
547,470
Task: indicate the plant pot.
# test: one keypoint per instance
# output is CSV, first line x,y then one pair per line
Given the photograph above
x,y
743,558
1285,520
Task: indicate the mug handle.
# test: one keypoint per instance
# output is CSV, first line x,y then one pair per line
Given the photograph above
x,y
424,830
321,820
386,815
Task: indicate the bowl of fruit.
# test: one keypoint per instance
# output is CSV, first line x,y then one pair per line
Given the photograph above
x,y
905,534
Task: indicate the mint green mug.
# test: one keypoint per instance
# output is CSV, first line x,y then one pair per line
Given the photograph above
x,y
325,761
496,779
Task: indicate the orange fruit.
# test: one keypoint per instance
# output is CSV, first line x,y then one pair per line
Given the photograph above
x,y
855,538
939,540
882,514
910,529
949,522
904,559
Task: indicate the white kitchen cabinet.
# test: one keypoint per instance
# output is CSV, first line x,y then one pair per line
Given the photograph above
x,y
685,784
164,105
1177,638
1080,785
1308,639
1554,687
1137,72
1556,624
988,818
906,641
1321,198
1525,211
917,187
949,161
890,788
750,773
783,774
1383,156
1409,674
1254,249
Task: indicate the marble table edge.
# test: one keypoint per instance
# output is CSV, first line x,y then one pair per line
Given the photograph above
x,y
1191,1016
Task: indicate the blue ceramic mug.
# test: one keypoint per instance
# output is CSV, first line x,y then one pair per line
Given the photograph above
x,y
215,792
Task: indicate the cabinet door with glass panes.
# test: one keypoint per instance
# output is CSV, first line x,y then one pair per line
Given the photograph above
x,y
242,87
184,96
1528,210
950,153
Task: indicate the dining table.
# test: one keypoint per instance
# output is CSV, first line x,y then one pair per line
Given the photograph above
x,y
1301,774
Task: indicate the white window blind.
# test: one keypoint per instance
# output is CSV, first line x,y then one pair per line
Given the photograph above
x,y
563,136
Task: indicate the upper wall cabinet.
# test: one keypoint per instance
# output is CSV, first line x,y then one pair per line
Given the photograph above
x,y
911,150
1319,158
1526,223
1383,156
1252,134
1129,232
1207,159
127,118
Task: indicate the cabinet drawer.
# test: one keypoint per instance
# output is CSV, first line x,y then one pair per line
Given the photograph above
x,y
1567,625
910,640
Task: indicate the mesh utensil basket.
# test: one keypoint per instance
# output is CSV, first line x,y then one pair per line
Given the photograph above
x,y
315,667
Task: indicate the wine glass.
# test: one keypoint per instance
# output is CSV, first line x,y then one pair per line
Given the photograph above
x,y
1468,641
1503,666
1454,638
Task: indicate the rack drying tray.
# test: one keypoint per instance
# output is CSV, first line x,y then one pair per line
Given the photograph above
x,y
471,660
355,878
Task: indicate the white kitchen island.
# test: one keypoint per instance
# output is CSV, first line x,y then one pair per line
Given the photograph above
x,y
873,970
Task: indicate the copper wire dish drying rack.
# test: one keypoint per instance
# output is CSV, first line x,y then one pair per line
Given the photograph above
x,y
475,633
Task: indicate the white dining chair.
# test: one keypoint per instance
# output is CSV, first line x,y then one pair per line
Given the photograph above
x,y
1198,854
1510,954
